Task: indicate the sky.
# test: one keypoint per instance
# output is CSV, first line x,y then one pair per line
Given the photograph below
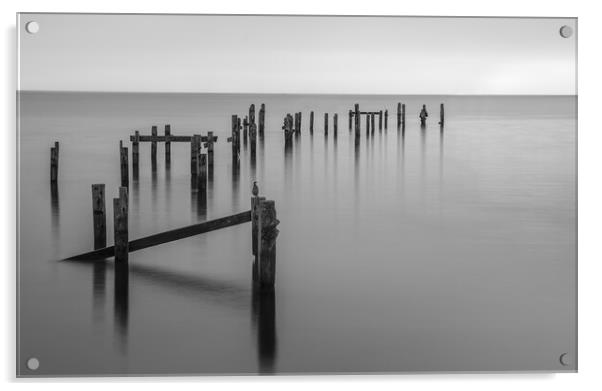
x,y
297,54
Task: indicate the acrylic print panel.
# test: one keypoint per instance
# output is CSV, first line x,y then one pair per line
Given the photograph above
x,y
210,194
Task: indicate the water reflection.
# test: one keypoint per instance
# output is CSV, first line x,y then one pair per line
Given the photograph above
x,y
99,280
264,318
121,303
54,205
235,182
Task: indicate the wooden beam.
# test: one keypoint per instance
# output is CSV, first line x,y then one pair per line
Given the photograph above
x,y
169,236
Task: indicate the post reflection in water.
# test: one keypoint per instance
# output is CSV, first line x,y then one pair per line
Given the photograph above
x,y
99,280
264,319
288,158
235,182
121,303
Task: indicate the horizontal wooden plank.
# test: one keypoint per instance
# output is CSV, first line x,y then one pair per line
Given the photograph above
x,y
169,236
173,139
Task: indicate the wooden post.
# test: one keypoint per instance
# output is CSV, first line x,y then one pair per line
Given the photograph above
x,y
350,115
120,219
386,119
252,114
398,115
99,216
300,118
380,120
136,150
123,162
245,129
367,124
253,136
311,122
372,122
335,124
268,233
54,162
235,124
154,146
357,122
261,120
326,124
167,146
441,115
209,145
202,176
194,152
403,115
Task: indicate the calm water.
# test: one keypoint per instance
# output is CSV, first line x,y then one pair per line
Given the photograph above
x,y
451,251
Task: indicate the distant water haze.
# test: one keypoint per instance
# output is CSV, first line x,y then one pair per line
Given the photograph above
x,y
417,251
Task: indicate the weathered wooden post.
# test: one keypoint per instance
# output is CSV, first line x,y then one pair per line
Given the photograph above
x,y
194,153
99,216
136,152
123,163
255,199
209,146
253,135
372,122
441,115
202,176
54,162
380,120
350,115
252,114
120,222
233,137
245,127
300,118
311,122
403,115
357,123
154,146
386,119
261,120
335,125
167,146
326,124
367,124
268,233
398,115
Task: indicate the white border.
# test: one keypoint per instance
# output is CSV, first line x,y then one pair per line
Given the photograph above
x,y
590,197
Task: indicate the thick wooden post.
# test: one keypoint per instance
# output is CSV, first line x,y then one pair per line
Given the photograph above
x,y
253,135
357,122
350,115
202,176
245,129
441,115
99,216
167,145
252,114
54,162
311,122
380,120
403,115
209,145
136,151
154,146
326,124
372,122
261,120
123,163
268,233
335,124
120,222
367,124
300,118
386,119
195,146
233,137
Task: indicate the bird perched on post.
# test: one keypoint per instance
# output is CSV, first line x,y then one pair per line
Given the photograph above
x,y
255,190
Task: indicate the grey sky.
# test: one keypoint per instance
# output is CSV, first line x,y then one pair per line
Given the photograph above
x,y
294,54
